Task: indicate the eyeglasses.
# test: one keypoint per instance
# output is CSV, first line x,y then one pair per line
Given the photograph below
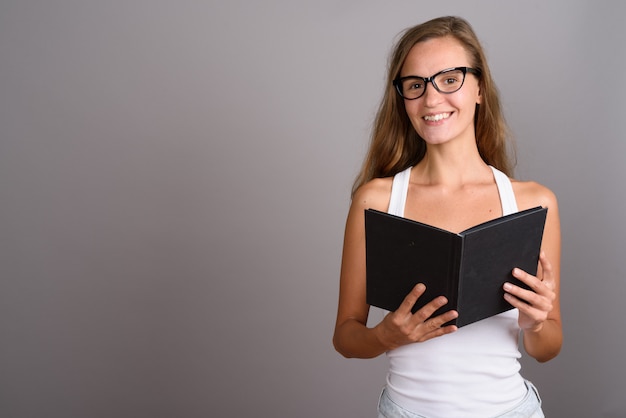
x,y
446,81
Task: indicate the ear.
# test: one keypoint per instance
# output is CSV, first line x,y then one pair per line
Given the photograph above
x,y
480,95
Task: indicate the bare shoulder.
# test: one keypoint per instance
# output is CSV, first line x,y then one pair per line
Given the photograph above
x,y
530,194
374,194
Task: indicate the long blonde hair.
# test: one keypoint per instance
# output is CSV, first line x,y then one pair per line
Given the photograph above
x,y
395,145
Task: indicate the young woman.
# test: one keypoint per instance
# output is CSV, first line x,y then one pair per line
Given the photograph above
x,y
440,143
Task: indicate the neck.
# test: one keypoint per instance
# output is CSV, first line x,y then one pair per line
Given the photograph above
x,y
451,165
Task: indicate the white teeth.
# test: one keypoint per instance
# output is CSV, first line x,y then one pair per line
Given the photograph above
x,y
438,117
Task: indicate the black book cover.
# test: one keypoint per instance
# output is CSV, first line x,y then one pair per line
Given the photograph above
x,y
469,268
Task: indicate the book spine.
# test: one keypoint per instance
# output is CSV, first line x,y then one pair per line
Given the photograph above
x,y
454,275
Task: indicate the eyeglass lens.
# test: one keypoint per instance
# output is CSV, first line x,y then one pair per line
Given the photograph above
x,y
445,82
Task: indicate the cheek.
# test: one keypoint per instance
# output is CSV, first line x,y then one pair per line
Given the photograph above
x,y
468,100
411,107
476,94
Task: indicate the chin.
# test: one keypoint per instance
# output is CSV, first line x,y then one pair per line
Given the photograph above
x,y
435,140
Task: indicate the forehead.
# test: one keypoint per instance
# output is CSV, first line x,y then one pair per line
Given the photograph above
x,y
429,57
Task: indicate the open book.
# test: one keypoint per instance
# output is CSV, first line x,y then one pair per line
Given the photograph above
x,y
468,268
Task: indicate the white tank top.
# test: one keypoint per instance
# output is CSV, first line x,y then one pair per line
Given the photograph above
x,y
473,372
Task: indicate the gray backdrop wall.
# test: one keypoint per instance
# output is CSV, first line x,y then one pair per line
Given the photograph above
x,y
175,175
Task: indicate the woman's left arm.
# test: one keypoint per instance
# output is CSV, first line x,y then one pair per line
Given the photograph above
x,y
539,308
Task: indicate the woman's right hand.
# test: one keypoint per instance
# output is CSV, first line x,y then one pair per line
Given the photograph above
x,y
404,327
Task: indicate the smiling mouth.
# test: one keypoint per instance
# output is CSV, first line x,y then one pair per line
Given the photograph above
x,y
437,117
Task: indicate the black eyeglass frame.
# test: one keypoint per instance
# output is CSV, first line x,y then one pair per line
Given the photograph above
x,y
398,81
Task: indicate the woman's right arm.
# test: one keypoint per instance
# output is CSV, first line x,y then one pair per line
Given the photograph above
x,y
352,337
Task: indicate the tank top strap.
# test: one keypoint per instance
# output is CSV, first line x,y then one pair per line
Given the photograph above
x,y
400,188
399,191
505,189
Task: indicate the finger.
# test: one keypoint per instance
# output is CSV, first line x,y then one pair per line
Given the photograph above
x,y
435,327
521,298
528,296
546,265
533,313
428,310
537,289
536,285
439,332
526,278
440,320
409,301
547,271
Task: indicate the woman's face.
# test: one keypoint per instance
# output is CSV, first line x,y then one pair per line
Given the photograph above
x,y
437,117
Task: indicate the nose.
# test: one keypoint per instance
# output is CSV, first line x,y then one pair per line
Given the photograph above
x,y
431,96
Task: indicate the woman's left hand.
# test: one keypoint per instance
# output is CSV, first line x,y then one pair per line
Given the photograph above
x,y
534,305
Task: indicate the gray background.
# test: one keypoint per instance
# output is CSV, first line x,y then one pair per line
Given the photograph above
x,y
175,175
